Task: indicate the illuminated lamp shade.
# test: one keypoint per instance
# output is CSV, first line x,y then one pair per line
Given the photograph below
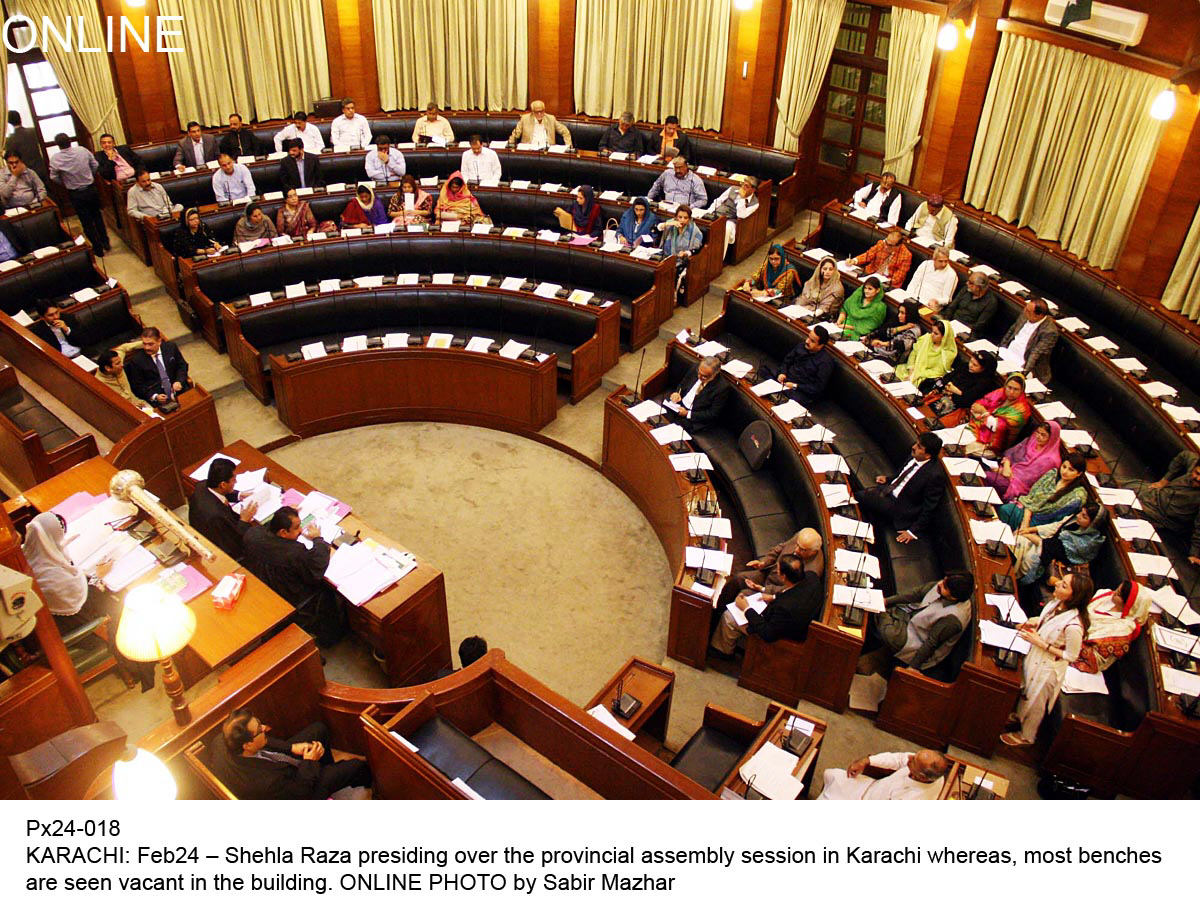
x,y
1163,106
143,778
154,625
743,6
947,38
136,4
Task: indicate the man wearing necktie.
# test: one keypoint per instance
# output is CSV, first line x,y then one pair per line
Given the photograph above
x,y
158,372
908,501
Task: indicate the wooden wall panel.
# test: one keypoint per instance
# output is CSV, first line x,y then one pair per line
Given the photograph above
x,y
350,41
754,42
552,54
1170,32
145,94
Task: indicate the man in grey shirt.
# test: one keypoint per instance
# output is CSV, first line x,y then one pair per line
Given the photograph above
x,y
20,187
679,185
75,168
147,198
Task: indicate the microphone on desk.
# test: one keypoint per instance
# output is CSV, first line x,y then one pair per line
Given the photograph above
x,y
1181,660
631,398
1008,658
698,337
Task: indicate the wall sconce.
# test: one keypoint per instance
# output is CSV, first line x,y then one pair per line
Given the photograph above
x,y
155,626
947,37
1163,107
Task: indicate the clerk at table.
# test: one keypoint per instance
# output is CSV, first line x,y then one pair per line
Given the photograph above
x,y
210,513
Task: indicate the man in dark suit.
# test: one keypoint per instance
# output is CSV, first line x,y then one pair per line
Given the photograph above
x,y
158,372
299,169
240,141
256,766
908,501
24,142
789,610
53,330
116,161
701,396
196,149
210,514
297,573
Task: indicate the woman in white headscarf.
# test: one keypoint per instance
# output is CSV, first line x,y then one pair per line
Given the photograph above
x,y
64,588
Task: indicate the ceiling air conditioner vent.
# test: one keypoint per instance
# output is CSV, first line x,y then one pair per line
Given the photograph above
x,y
1111,23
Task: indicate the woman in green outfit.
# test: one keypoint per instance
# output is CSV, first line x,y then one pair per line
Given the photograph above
x,y
1055,495
863,311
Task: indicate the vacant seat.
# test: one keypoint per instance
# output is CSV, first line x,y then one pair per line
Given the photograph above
x,y
65,766
708,757
28,415
457,755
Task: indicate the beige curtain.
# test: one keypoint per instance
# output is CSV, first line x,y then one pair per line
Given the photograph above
x,y
86,78
260,58
910,55
1183,287
461,54
1065,143
652,57
812,31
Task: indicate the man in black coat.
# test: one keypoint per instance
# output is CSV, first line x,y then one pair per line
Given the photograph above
x,y
53,330
297,573
209,511
702,396
299,170
257,766
808,367
787,615
240,141
110,153
908,500
25,143
158,372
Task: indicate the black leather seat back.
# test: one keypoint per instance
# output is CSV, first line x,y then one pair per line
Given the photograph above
x,y
101,323
48,280
32,231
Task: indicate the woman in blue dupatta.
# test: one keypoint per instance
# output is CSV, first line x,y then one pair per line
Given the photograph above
x,y
636,223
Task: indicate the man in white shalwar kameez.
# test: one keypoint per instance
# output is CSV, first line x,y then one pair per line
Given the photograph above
x,y
914,775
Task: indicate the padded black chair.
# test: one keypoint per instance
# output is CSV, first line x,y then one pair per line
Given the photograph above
x,y
456,755
708,757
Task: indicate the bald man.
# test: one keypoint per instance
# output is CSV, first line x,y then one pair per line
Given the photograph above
x,y
538,127
762,574
913,775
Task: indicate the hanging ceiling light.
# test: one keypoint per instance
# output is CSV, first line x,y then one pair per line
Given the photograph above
x,y
947,38
1163,106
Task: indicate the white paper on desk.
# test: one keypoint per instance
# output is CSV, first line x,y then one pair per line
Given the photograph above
x,y
272,196
329,285
550,236
955,435
1177,682
994,634
346,560
982,345
1074,324
644,410
1008,363
753,602
581,297
295,290
250,479
259,298
479,344
450,226
852,527
1136,529
267,497
439,340
128,568
789,410
442,278
610,195
711,348
246,245
700,526
201,472
959,466
381,229
715,560
665,434
691,460
604,715
860,213
849,596
901,388
767,387
514,231
1013,287
1100,343
478,281
796,312
512,283
1114,495
9,264
1010,609
1125,364
1181,413
817,253
979,494
851,561
1159,389
814,433
82,361
1077,682
645,252
836,495
737,368
354,344
877,367
1177,640
827,463
993,529
647,158
1073,438
614,247
395,340
896,295
513,349
769,771
85,294
21,316
1151,564
546,289
313,350
1055,409
849,346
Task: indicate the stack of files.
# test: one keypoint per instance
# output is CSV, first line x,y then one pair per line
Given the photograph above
x,y
1177,641
700,526
876,367
1056,409
1175,605
711,348
737,368
1074,324
796,312
984,531
767,387
692,460
131,561
813,433
955,435
1151,564
183,580
318,505
363,570
1074,438
1113,495
789,410
665,434
901,388
836,495
604,715
849,346
1008,606
850,561
769,772
513,349
715,560
852,527
88,548
1136,529
1077,682
1177,682
994,634
866,599
76,505
827,463
979,494
754,603
645,410
960,466
103,514
268,498
1181,413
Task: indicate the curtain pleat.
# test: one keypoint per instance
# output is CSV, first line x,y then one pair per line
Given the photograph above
x,y
1064,146
652,58
260,58
812,31
910,56
86,78
461,54
1183,287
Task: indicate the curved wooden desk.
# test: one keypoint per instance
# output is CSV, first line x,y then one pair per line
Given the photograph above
x,y
395,385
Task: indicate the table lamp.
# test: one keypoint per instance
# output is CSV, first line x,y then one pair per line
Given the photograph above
x,y
154,626
140,775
